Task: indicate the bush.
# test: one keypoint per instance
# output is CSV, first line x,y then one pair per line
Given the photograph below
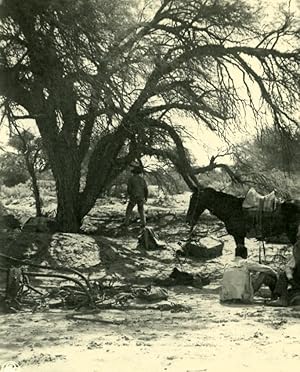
x,y
17,192
13,179
12,170
118,190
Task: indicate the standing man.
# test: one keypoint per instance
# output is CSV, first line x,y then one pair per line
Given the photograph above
x,y
137,191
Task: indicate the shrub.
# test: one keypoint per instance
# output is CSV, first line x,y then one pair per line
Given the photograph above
x,y
13,179
12,170
17,192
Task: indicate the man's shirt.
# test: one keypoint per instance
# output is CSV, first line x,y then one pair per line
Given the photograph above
x,y
137,188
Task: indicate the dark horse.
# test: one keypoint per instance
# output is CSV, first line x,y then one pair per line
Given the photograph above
x,y
228,208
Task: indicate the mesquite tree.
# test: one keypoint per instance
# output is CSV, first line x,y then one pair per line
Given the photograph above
x,y
103,80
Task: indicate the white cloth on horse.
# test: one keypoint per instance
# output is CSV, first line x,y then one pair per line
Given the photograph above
x,y
256,201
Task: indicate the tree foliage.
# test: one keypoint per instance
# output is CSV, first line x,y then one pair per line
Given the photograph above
x,y
278,151
267,163
105,79
12,169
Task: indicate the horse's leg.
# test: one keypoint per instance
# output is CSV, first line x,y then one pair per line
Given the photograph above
x,y
240,249
264,250
259,254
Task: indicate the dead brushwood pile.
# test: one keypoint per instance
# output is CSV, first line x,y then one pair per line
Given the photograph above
x,y
65,288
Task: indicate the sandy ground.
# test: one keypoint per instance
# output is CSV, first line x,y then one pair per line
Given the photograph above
x,y
209,337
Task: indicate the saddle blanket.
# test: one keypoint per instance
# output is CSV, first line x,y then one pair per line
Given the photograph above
x,y
256,201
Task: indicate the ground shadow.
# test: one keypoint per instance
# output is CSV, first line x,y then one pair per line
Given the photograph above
x,y
24,246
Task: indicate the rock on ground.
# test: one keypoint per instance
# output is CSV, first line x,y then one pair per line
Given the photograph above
x,y
40,224
74,250
204,248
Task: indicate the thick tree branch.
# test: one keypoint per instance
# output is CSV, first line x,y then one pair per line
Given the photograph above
x,y
212,165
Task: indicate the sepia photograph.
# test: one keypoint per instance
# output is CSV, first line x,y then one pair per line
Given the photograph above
x,y
149,185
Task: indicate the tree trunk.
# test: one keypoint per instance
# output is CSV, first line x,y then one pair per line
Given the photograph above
x,y
66,169
68,216
101,169
37,195
65,160
67,177
35,188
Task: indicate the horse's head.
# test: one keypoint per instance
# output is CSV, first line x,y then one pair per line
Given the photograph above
x,y
196,207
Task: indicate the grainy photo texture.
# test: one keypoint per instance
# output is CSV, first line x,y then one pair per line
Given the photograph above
x,y
149,185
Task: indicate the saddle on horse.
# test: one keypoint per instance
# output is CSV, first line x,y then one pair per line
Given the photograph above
x,y
257,202
259,211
